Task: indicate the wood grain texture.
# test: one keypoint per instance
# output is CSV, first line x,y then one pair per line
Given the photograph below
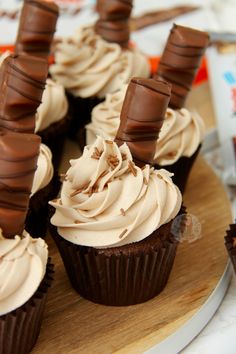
x,y
74,325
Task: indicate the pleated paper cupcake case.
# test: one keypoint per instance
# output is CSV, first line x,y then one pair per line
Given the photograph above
x,y
19,329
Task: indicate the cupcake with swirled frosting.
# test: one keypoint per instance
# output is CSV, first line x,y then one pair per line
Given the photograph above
x,y
97,60
25,277
183,131
180,137
113,219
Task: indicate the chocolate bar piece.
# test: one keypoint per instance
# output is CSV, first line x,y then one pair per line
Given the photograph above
x,y
18,163
142,116
36,29
22,81
113,24
180,61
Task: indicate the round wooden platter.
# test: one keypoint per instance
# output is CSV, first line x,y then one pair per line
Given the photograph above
x,y
74,325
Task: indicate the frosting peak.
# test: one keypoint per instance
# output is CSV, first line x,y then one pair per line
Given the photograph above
x,y
108,201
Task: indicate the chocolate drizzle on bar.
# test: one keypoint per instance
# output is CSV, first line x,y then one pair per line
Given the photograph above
x,y
142,116
180,61
36,29
22,81
18,162
113,24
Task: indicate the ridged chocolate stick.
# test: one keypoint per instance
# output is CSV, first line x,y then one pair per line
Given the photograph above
x,y
180,61
113,24
36,29
142,116
22,81
18,163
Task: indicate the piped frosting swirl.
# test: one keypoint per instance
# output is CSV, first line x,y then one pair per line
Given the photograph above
x,y
86,65
181,134
22,267
95,208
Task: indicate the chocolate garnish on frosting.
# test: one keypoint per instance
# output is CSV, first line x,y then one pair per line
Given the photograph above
x,y
180,61
22,81
36,29
18,163
113,23
142,116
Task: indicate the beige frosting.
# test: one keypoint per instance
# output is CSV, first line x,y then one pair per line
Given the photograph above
x,y
180,135
107,201
23,263
44,172
86,65
54,106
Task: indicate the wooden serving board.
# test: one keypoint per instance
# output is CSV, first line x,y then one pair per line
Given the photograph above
x,y
74,325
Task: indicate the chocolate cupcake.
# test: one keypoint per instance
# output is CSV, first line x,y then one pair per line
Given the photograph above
x,y
22,81
182,132
230,244
97,60
113,220
25,270
35,34
181,136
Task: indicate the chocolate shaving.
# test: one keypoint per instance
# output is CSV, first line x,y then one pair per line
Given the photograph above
x,y
109,142
123,233
124,157
132,168
145,181
112,161
122,211
96,154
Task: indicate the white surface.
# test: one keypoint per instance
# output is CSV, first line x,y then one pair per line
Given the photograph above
x,y
185,334
218,337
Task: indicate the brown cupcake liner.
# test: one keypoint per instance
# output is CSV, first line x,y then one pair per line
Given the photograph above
x,y
120,276
37,218
80,112
181,169
20,328
230,244
54,137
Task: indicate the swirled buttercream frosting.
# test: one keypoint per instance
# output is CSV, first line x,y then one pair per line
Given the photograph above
x,y
22,267
108,201
54,106
87,65
181,133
